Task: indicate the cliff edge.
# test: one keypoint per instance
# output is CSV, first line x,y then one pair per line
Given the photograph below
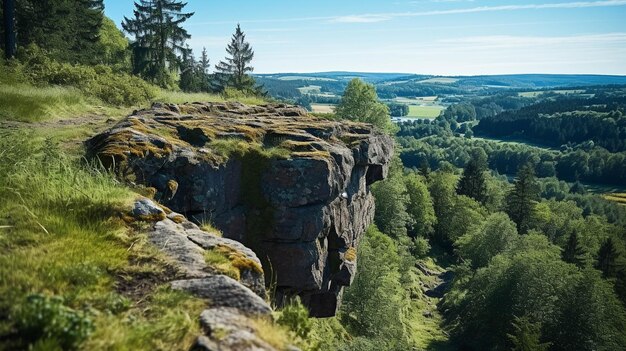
x,y
292,187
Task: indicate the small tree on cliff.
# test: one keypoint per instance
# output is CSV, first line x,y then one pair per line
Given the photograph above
x,y
360,103
233,71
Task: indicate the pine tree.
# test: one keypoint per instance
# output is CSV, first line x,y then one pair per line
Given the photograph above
x,y
520,204
574,253
8,28
526,336
66,30
233,71
473,183
189,72
159,38
607,257
204,64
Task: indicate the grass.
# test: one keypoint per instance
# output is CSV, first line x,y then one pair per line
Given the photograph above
x,y
323,108
429,112
619,198
178,97
440,80
61,238
26,103
310,89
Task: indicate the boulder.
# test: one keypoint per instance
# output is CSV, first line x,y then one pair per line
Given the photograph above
x,y
292,187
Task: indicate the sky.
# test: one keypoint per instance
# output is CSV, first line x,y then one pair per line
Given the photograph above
x,y
440,37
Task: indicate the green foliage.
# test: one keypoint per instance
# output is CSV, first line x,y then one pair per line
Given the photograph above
x,y
68,30
527,336
391,206
472,182
419,207
114,47
45,319
60,236
97,81
233,71
377,324
522,199
158,38
574,253
442,190
360,103
496,235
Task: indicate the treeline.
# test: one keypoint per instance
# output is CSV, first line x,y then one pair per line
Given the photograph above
x,y
414,88
73,39
564,120
595,165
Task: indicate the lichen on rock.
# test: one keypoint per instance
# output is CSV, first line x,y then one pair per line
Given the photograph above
x,y
292,187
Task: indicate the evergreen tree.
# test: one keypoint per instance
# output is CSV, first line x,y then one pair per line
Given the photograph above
x,y
607,257
203,66
233,71
521,201
189,73
66,30
8,29
159,38
473,183
526,336
574,253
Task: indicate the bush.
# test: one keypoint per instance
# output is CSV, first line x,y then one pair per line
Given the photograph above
x,y
98,81
46,319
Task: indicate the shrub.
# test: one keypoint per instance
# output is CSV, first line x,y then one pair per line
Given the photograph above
x,y
98,81
47,318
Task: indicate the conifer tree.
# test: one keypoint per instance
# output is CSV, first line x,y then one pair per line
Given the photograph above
x,y
526,336
189,72
607,257
521,201
159,38
233,71
473,183
8,28
204,64
574,253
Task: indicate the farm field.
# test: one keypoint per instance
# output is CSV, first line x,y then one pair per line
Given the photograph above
x,y
307,78
533,94
429,112
310,89
439,80
620,198
323,108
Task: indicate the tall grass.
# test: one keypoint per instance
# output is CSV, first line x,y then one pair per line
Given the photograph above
x,y
25,103
61,240
179,97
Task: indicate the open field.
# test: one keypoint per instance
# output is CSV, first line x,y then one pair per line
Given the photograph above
x,y
424,111
533,94
440,80
310,89
323,108
308,78
620,198
416,100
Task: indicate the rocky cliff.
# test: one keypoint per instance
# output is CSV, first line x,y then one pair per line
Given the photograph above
x,y
292,187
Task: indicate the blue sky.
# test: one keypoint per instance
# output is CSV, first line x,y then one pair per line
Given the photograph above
x,y
443,37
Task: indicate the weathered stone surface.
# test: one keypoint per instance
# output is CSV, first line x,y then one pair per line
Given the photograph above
x,y
233,331
297,210
223,291
186,244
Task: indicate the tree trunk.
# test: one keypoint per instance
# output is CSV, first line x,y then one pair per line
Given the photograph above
x,y
9,28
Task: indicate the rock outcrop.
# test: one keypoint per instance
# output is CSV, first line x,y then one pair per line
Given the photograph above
x,y
292,187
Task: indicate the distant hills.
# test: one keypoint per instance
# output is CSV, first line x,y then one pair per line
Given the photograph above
x,y
531,81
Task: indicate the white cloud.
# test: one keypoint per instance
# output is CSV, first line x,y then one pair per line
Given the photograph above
x,y
562,5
